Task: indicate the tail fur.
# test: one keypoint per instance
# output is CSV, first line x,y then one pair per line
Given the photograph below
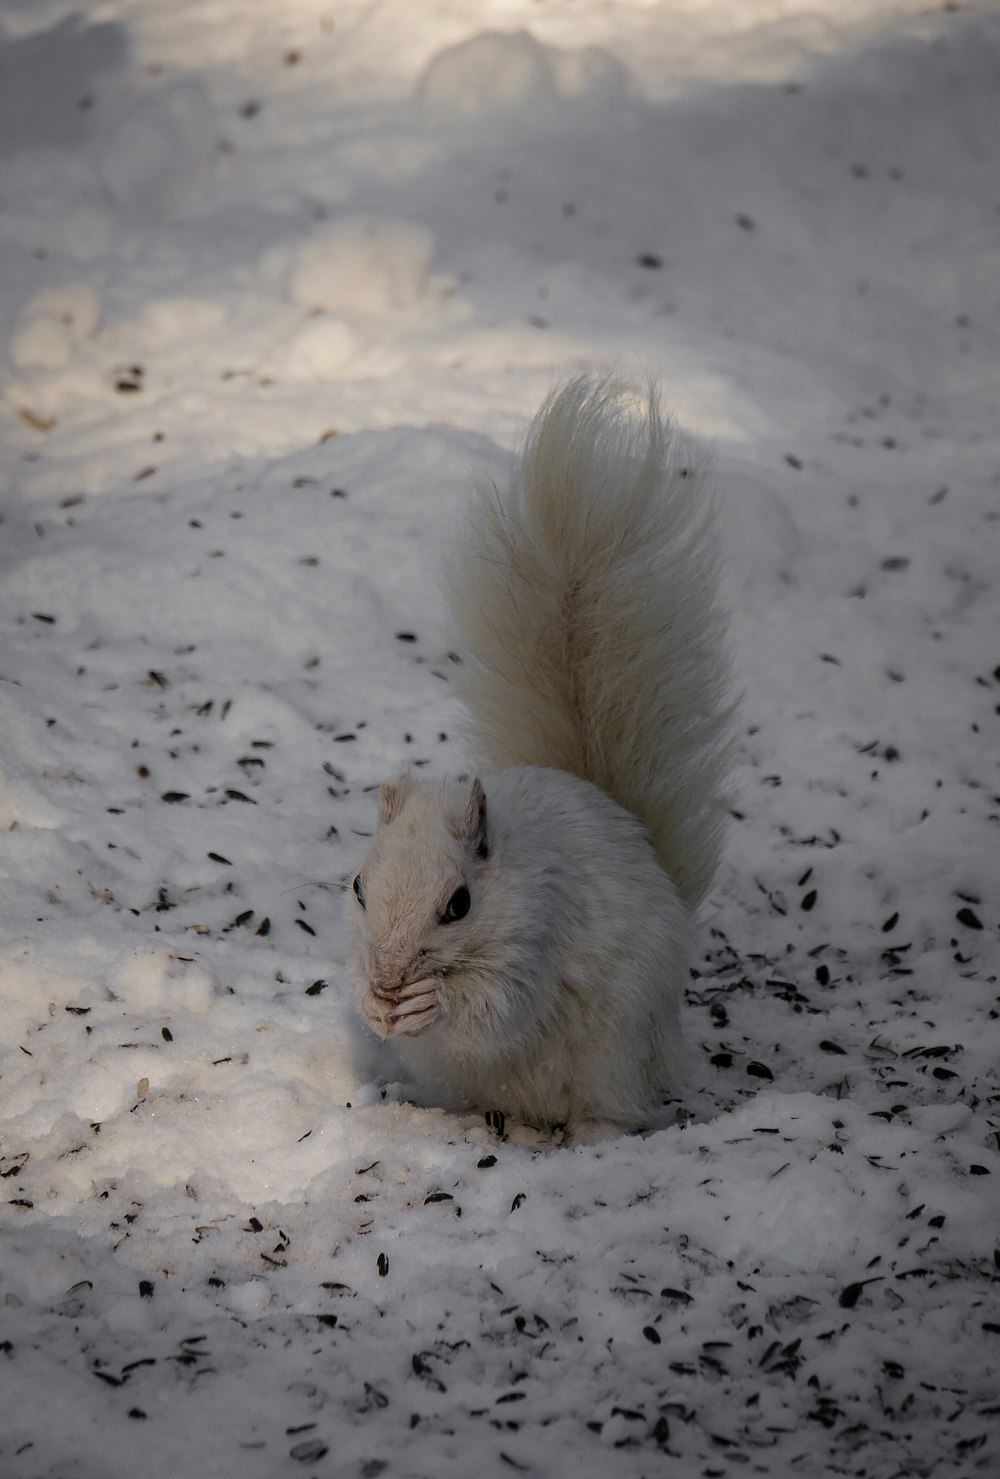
x,y
594,641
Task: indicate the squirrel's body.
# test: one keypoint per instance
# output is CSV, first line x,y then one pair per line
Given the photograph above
x,y
524,939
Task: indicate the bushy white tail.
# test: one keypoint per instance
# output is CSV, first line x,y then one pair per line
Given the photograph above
x,y
593,637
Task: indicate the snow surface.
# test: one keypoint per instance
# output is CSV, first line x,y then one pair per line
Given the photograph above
x,y
279,284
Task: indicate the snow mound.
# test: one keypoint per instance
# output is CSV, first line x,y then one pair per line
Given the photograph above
x,y
487,74
53,325
157,157
499,71
588,72
324,350
363,263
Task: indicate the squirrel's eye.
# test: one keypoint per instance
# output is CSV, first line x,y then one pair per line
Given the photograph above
x,y
359,892
458,906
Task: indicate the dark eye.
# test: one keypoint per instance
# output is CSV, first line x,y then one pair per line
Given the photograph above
x,y
458,906
359,892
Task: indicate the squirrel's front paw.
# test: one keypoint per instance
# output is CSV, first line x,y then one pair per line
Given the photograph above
x,y
416,1007
377,1012
410,1009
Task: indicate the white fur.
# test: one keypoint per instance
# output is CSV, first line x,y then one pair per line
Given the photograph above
x,y
595,674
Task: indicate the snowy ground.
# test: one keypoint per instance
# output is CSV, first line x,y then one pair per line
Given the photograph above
x,y
279,283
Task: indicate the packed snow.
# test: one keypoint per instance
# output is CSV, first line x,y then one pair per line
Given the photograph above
x,y
280,286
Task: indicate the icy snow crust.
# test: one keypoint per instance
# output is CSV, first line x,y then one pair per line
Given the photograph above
x,y
278,287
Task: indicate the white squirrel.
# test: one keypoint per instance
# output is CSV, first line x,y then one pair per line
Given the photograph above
x,y
524,938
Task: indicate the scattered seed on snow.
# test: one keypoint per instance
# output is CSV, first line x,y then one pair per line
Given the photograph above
x,y
308,1453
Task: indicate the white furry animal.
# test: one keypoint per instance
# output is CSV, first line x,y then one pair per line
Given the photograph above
x,y
523,938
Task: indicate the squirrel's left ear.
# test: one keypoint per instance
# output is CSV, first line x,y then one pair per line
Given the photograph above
x,y
474,819
392,797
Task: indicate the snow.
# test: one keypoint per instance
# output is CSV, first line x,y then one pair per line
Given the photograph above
x,y
279,287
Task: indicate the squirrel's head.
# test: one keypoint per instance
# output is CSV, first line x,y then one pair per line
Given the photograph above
x,y
413,909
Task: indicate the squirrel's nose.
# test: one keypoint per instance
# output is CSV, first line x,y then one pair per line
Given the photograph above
x,y
388,977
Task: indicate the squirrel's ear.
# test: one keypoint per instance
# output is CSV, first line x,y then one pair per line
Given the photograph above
x,y
392,798
474,818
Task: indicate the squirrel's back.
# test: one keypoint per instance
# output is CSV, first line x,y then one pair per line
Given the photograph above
x,y
593,639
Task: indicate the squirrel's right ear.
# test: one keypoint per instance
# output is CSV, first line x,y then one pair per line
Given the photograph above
x,y
392,798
